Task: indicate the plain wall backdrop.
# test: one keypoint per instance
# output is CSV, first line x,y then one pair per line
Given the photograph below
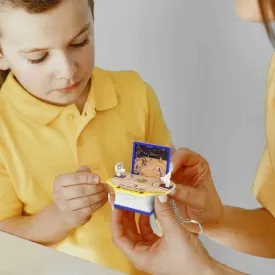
x,y
209,71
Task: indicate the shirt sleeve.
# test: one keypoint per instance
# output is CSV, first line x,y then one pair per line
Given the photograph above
x,y
264,184
10,205
157,130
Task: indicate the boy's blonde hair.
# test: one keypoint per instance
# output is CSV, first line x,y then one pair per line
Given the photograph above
x,y
33,6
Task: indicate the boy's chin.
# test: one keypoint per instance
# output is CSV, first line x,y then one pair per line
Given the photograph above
x,y
65,98
62,100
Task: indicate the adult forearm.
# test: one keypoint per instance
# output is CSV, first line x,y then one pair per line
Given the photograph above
x,y
221,269
248,231
249,10
45,228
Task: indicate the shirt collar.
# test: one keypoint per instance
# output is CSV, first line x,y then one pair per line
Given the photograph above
x,y
102,96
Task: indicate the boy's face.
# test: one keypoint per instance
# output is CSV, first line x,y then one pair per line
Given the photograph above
x,y
50,52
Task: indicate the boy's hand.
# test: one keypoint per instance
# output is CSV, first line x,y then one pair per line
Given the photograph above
x,y
78,195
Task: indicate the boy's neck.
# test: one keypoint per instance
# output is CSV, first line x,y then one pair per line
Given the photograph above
x,y
83,98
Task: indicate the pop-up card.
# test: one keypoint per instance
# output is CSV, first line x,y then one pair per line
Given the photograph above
x,y
149,177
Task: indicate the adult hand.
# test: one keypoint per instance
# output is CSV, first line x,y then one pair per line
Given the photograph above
x,y
176,252
78,195
195,193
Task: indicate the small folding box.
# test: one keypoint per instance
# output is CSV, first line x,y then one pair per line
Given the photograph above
x,y
149,177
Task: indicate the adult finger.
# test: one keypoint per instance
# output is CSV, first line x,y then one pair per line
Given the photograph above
x,y
136,251
184,157
192,175
166,218
129,219
194,197
146,229
119,234
173,232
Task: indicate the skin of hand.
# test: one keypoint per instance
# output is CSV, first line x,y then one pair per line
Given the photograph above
x,y
176,252
249,10
195,194
78,195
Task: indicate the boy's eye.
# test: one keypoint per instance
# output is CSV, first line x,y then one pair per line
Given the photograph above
x,y
36,61
78,45
81,44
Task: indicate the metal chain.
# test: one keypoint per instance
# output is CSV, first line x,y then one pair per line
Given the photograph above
x,y
180,220
177,212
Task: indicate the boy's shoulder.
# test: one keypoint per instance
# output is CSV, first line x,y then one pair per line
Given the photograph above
x,y
119,75
3,106
123,81
4,117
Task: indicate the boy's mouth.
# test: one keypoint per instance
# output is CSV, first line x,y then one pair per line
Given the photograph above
x,y
69,88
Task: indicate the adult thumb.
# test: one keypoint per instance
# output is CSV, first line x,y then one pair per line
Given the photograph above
x,y
166,217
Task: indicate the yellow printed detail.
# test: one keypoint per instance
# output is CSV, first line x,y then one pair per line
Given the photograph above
x,y
139,185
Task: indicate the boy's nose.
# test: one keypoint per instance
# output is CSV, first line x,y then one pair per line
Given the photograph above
x,y
66,69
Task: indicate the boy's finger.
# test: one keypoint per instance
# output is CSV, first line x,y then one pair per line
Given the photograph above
x,y
98,205
81,190
87,211
84,169
111,198
106,187
89,201
77,178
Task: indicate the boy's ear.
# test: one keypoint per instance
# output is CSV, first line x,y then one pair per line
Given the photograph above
x,y
4,65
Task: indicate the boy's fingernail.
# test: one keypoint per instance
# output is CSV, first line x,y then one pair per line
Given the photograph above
x,y
109,198
162,199
106,187
96,179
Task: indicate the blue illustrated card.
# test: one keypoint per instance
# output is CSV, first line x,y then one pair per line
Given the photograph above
x,y
150,160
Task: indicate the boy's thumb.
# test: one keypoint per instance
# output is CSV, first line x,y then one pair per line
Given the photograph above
x,y
83,169
166,217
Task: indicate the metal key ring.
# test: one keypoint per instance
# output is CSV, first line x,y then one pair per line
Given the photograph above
x,y
195,222
182,221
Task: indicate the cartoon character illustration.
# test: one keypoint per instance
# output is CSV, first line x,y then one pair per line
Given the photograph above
x,y
142,180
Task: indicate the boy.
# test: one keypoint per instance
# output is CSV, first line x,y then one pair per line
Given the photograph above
x,y
64,125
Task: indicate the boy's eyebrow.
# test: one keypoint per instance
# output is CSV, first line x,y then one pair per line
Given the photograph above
x,y
84,29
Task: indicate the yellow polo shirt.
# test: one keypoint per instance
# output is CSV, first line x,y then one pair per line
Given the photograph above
x,y
264,185
39,141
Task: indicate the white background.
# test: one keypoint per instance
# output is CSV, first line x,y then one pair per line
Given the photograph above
x,y
209,70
